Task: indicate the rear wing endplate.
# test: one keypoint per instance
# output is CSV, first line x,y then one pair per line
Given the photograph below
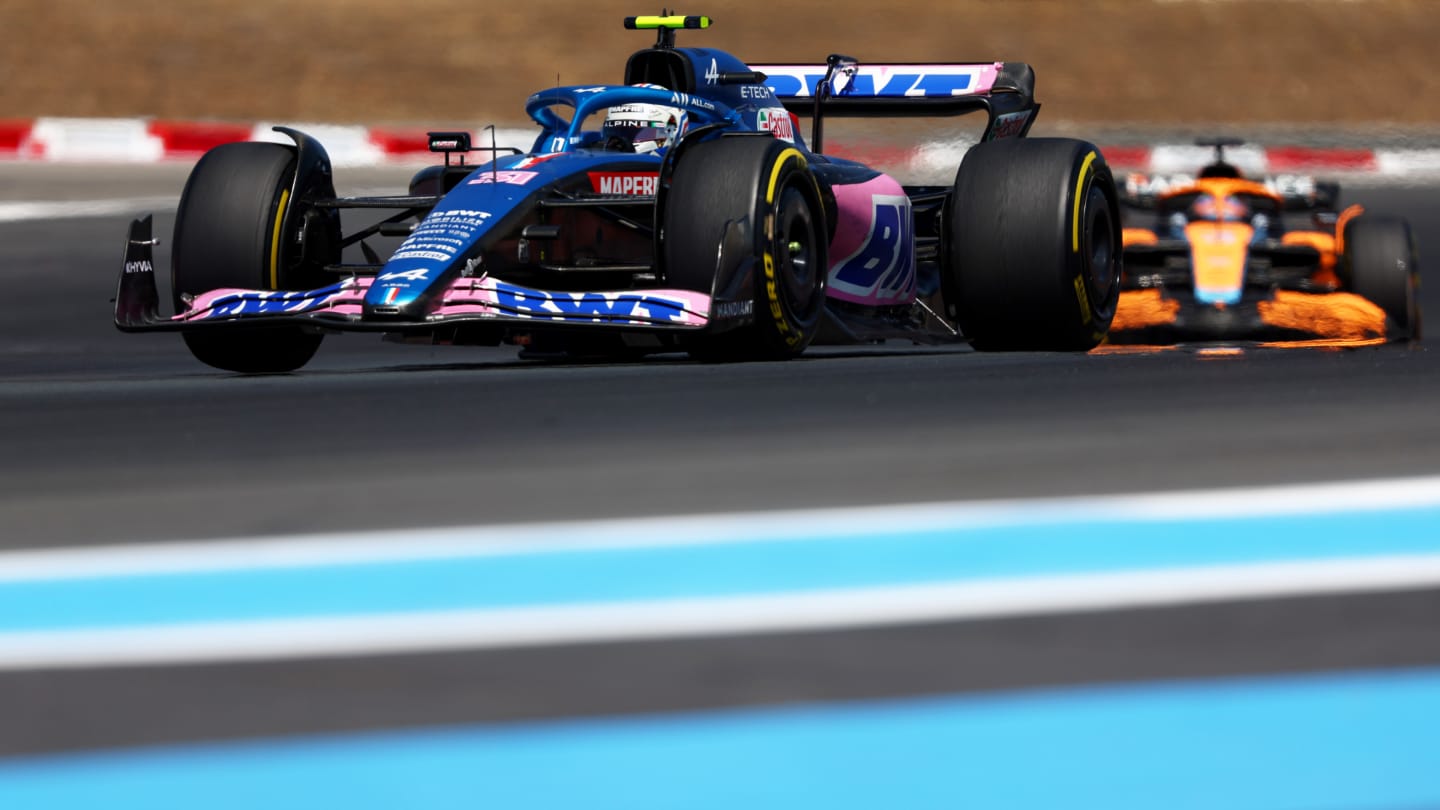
x,y
845,87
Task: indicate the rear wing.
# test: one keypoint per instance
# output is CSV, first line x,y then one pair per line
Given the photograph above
x,y
1297,192
845,87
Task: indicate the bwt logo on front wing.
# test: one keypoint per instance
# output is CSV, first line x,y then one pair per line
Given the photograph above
x,y
637,183
606,306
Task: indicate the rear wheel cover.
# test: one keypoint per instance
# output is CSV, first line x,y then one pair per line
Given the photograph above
x,y
1032,257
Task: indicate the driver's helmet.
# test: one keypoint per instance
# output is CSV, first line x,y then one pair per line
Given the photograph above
x,y
1210,208
642,128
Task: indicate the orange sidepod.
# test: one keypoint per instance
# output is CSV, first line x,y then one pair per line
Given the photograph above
x,y
1338,316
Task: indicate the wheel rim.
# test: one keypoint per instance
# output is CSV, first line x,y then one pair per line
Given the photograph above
x,y
1102,271
797,254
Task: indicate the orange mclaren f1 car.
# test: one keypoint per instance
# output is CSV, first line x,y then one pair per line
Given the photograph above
x,y
1226,258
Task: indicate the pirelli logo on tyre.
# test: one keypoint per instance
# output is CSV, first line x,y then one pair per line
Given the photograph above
x,y
1086,311
791,336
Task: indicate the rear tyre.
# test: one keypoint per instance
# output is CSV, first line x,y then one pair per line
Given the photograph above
x,y
227,234
1380,264
1034,251
743,219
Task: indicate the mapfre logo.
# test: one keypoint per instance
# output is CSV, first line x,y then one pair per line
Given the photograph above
x,y
777,122
638,183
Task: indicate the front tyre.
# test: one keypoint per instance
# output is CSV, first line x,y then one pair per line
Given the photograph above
x,y
1033,254
228,235
749,207
1380,264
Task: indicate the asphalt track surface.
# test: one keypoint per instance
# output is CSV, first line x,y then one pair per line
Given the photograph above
x,y
108,438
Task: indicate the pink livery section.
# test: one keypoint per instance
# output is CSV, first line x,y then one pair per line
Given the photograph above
x,y
483,297
872,258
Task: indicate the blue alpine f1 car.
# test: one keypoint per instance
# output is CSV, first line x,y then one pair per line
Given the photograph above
x,y
681,210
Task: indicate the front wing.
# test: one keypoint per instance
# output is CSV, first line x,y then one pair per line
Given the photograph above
x,y
1150,316
339,307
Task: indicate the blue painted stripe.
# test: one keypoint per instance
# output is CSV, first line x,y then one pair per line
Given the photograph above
x,y
1358,740
761,566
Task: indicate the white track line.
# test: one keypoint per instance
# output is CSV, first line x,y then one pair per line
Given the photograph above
x,y
690,618
691,530
24,211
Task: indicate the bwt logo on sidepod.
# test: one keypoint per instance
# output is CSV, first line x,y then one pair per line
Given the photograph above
x,y
884,266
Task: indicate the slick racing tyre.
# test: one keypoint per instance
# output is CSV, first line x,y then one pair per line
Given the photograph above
x,y
1033,246
743,208
228,234
1379,264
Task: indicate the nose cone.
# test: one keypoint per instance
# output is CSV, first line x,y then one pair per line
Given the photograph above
x,y
1219,252
437,250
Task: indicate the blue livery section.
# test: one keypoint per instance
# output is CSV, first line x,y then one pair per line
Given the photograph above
x,y
459,224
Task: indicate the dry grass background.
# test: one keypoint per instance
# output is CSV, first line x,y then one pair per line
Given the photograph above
x,y
1355,63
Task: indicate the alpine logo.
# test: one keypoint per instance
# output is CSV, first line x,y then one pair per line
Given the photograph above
x,y
637,183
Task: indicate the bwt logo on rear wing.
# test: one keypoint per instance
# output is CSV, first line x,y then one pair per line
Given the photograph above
x,y
882,81
845,87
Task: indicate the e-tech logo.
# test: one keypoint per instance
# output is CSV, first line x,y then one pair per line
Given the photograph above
x,y
637,183
610,306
